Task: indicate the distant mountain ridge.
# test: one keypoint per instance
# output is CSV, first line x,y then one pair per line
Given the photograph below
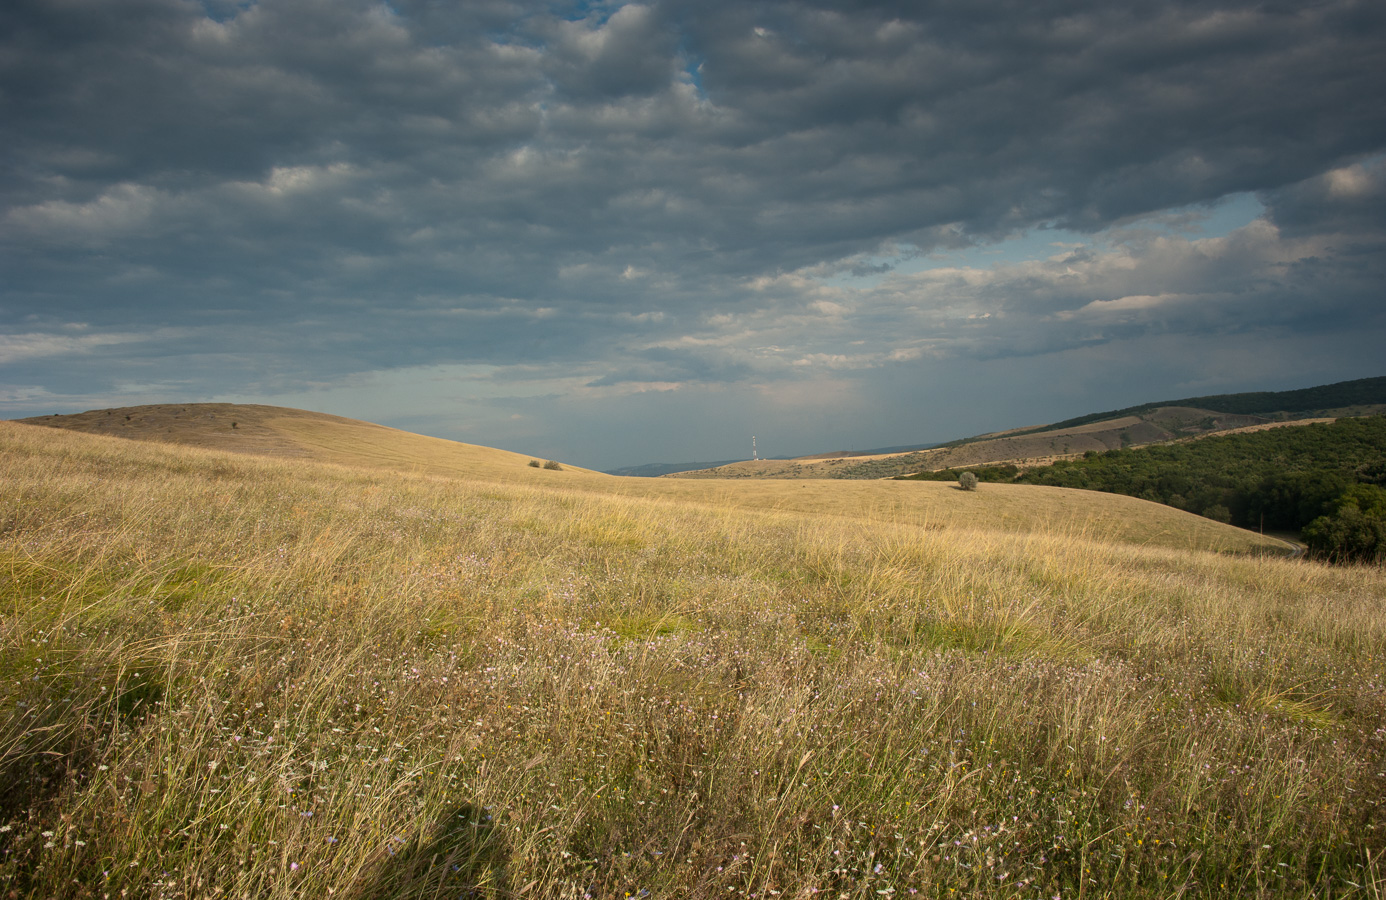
x,y
1337,396
655,470
1133,426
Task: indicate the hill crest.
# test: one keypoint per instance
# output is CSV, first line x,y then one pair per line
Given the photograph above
x,y
298,434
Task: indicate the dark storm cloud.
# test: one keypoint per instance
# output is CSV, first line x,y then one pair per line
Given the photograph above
x,y
1079,114
631,54
1347,201
609,195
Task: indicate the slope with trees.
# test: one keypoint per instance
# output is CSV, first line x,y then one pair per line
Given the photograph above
x,y
1325,480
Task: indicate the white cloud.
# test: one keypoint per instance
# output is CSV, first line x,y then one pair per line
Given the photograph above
x,y
1350,182
1132,303
38,345
118,212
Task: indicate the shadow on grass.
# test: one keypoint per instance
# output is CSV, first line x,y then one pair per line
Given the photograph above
x,y
462,857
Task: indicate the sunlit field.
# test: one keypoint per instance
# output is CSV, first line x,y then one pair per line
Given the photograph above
x,y
227,675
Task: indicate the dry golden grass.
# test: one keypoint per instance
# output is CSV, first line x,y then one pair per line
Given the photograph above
x,y
292,433
353,443
289,433
239,676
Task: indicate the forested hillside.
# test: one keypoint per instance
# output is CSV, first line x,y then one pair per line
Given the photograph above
x,y
1340,396
1324,480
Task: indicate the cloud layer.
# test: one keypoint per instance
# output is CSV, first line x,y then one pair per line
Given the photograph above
x,y
623,232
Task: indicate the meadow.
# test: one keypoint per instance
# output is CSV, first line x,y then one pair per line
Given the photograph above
x,y
236,676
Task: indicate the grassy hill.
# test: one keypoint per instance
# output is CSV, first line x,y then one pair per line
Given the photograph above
x,y
237,674
294,433
299,434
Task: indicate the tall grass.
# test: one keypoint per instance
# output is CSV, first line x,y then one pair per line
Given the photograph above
x,y
227,676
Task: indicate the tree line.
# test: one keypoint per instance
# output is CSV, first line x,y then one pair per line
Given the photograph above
x,y
1326,481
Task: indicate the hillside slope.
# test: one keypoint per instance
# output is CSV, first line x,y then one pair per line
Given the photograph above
x,y
298,434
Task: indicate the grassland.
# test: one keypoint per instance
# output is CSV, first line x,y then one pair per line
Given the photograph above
x,y
235,675
303,435
292,434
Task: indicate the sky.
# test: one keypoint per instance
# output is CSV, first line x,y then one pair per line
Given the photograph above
x,y
618,233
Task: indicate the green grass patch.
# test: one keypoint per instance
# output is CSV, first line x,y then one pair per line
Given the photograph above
x,y
646,624
1015,639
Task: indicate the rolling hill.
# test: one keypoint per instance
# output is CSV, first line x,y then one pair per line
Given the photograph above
x,y
298,435
295,434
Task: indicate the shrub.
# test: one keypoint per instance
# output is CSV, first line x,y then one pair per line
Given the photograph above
x,y
967,481
553,464
534,463
1217,512
1356,532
